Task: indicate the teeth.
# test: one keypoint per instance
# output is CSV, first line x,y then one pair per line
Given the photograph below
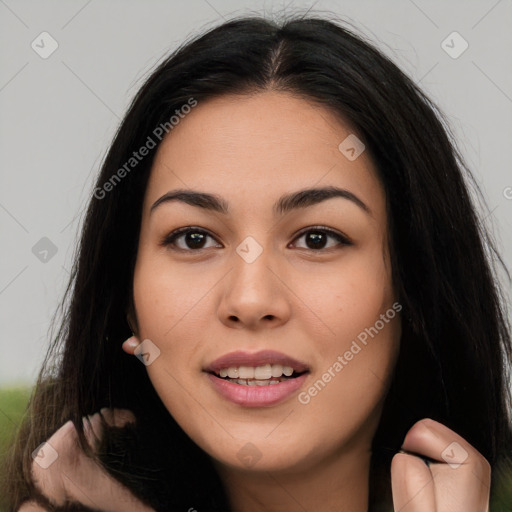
x,y
253,382
232,372
246,372
287,370
277,370
264,372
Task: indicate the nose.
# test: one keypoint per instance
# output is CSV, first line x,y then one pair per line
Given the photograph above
x,y
254,294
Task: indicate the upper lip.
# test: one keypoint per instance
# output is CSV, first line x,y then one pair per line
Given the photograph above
x,y
239,358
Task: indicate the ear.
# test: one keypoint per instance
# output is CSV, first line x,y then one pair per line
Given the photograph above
x,y
130,345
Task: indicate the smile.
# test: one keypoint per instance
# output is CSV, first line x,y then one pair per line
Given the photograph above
x,y
256,380
250,393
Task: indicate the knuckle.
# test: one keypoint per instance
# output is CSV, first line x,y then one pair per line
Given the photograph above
x,y
420,431
397,461
30,506
482,465
48,482
123,416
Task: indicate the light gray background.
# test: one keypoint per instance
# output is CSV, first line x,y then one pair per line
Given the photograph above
x,y
58,116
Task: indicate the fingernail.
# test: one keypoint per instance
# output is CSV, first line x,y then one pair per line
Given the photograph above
x,y
86,424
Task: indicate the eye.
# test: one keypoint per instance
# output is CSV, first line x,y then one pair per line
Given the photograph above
x,y
316,238
189,238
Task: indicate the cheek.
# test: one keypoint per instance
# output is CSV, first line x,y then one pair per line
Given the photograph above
x,y
171,312
156,303
165,297
170,319
358,353
348,299
357,358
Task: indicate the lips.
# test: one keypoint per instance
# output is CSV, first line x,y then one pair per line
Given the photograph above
x,y
252,391
237,359
255,396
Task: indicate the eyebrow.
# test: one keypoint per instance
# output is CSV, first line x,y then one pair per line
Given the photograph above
x,y
286,203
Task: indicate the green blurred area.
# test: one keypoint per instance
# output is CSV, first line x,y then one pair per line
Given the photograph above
x,y
502,498
13,402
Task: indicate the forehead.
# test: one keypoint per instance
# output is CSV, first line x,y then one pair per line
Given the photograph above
x,y
250,147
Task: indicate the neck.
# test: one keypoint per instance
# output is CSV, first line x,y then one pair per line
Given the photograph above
x,y
340,484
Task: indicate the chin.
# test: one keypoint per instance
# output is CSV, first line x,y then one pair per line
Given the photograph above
x,y
264,464
261,456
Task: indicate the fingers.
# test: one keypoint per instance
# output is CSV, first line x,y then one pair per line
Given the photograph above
x,y
58,460
64,473
48,458
460,476
117,417
412,485
92,430
434,440
93,426
31,506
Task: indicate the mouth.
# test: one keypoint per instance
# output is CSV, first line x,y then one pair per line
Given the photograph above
x,y
256,380
265,375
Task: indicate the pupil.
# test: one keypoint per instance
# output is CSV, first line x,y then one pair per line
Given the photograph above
x,y
317,240
313,240
195,239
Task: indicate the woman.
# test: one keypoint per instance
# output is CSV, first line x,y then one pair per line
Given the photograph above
x,y
282,242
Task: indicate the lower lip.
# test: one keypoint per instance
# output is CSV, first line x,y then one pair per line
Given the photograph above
x,y
256,396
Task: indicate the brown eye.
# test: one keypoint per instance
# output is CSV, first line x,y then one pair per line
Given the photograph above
x,y
196,239
189,238
316,239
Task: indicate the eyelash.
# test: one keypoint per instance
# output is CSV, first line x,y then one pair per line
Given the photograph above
x,y
171,238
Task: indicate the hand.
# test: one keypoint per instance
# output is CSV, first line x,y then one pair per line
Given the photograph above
x,y
458,481
74,477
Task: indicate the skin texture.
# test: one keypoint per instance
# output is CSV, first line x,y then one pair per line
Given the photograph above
x,y
311,304
75,478
306,303
458,479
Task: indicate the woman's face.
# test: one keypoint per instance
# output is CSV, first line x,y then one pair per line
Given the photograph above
x,y
266,279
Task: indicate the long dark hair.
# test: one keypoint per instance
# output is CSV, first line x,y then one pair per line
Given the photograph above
x,y
455,347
